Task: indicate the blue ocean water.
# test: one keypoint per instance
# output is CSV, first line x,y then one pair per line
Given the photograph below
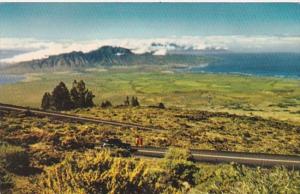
x,y
6,79
262,64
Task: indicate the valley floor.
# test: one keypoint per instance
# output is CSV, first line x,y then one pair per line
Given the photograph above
x,y
268,97
203,111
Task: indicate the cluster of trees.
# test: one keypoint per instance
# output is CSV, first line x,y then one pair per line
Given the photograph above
x,y
63,99
133,102
79,96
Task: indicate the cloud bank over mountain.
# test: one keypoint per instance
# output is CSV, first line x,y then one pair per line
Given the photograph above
x,y
29,48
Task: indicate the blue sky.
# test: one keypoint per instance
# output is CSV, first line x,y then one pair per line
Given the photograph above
x,y
36,30
53,21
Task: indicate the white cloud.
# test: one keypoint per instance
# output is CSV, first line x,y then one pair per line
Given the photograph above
x,y
38,49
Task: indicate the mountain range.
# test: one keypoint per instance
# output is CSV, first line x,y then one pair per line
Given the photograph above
x,y
105,56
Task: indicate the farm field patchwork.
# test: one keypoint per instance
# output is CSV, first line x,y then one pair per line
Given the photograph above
x,y
262,96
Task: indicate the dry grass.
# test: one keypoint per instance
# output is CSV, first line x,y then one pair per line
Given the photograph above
x,y
65,152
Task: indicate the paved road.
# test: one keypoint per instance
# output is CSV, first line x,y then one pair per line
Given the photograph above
x,y
76,118
252,159
255,159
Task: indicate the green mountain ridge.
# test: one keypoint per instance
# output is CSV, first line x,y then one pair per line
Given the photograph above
x,y
105,56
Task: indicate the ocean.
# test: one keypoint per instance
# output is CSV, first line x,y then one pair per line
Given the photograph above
x,y
7,79
258,64
285,65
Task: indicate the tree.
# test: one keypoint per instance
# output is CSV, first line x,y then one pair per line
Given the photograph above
x,y
61,97
82,91
89,99
46,101
75,97
80,95
134,101
126,102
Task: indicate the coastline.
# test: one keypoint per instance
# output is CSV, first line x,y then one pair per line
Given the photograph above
x,y
11,78
29,77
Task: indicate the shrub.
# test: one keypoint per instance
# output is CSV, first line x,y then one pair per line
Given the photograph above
x,y
106,104
46,157
120,153
99,172
13,158
181,172
161,105
179,168
240,179
5,180
13,128
174,153
75,142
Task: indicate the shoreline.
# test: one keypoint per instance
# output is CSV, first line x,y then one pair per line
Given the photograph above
x,y
29,77
11,78
188,70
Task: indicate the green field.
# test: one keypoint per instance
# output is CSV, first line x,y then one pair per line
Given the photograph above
x,y
268,97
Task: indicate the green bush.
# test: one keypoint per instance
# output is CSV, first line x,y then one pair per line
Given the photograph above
x,y
180,170
99,172
174,153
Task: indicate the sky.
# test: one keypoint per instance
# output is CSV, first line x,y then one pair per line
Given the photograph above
x,y
36,30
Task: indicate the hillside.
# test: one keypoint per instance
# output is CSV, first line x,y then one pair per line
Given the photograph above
x,y
106,56
43,155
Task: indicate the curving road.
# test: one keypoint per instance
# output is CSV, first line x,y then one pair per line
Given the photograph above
x,y
76,118
254,159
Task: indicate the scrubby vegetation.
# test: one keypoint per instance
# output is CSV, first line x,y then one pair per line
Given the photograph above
x,y
204,130
240,179
13,159
174,153
6,182
100,172
51,156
